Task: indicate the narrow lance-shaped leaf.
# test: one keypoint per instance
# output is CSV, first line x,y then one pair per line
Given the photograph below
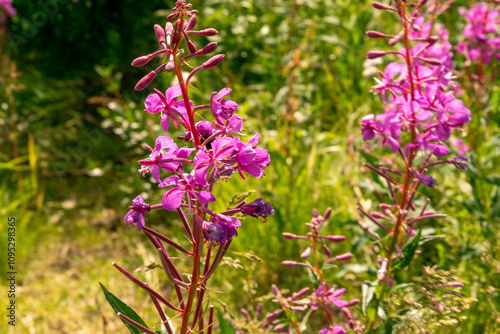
x,y
119,306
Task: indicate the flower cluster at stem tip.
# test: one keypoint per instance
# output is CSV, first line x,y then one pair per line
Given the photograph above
x,y
219,152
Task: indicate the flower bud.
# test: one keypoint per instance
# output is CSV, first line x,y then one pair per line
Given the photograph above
x,y
279,327
301,293
353,303
214,61
258,310
191,47
375,34
327,214
209,48
327,251
346,311
170,66
141,61
245,314
455,284
378,5
375,54
160,33
192,23
315,213
292,264
172,16
378,215
287,235
305,254
343,257
208,32
335,238
432,39
144,82
275,290
431,61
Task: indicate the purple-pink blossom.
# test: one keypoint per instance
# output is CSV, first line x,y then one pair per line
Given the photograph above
x,y
135,217
220,228
7,6
169,107
184,184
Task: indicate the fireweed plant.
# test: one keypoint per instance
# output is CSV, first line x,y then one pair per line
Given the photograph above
x,y
421,111
480,47
187,183
322,299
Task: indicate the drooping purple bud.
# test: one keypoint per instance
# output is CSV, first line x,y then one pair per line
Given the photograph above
x,y
431,61
327,251
245,314
315,213
275,290
160,33
293,264
208,32
172,15
378,215
376,34
327,214
170,66
214,61
192,23
455,284
346,311
287,235
191,47
144,82
343,257
258,310
301,293
381,6
141,61
375,54
279,327
209,48
335,238
353,303
305,254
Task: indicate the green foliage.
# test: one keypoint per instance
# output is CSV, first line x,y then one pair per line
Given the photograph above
x,y
120,307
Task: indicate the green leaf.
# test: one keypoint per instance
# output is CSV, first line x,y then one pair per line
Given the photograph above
x,y
370,312
225,328
408,253
368,292
119,306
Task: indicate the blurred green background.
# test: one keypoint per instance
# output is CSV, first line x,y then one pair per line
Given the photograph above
x,y
72,126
